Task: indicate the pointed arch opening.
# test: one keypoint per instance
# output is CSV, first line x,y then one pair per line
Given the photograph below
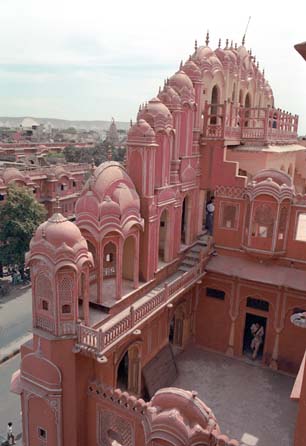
x,y
163,244
111,282
215,100
247,105
129,371
185,236
93,275
130,265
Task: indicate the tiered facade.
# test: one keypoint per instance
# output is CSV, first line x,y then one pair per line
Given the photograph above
x,y
137,271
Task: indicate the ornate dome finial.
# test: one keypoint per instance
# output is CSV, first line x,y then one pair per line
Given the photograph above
x,y
243,39
226,44
219,43
131,123
236,46
92,167
109,155
57,208
231,45
257,64
207,38
159,89
181,65
195,45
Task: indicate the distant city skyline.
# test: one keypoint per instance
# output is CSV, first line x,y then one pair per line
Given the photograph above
x,y
76,61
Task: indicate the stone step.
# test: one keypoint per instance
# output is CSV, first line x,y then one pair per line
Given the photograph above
x,y
192,256
191,262
184,268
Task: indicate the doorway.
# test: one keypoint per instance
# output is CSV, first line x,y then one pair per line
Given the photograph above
x,y
251,319
123,372
129,370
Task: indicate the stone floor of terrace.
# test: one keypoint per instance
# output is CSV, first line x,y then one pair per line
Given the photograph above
x,y
251,403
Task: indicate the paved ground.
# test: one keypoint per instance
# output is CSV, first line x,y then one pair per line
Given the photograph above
x,y
251,403
15,318
9,402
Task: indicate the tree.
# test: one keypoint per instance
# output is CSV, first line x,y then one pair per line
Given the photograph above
x,y
19,217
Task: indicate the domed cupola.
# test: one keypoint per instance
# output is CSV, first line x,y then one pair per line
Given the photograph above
x,y
170,98
203,52
192,70
141,132
11,174
59,260
157,115
182,84
109,197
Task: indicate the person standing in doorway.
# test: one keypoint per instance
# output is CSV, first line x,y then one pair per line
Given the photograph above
x,y
258,334
210,210
10,435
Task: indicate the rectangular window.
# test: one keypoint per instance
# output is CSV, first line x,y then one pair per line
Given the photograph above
x,y
217,294
258,304
42,433
229,213
300,234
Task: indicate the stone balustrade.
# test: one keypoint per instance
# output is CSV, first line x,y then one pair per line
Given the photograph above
x,y
255,124
99,341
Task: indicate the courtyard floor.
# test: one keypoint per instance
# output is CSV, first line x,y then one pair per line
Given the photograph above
x,y
252,404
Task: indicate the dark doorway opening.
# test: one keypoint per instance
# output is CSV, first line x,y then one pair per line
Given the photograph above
x,y
251,319
171,330
123,372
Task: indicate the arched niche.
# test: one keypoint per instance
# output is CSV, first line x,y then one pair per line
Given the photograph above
x,y
111,269
164,236
93,273
215,100
247,105
129,371
130,261
185,221
179,328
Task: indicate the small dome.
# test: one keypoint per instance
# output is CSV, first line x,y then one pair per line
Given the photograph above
x,y
28,123
12,174
188,404
109,207
59,171
203,52
215,61
192,70
156,114
170,98
180,80
57,230
141,130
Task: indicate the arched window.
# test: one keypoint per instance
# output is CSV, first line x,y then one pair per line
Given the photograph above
x,y
163,245
214,104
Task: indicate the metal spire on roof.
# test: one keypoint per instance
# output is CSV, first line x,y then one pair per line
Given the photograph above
x,y
195,45
207,38
219,43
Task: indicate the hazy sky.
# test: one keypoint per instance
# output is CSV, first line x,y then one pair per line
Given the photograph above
x,y
94,59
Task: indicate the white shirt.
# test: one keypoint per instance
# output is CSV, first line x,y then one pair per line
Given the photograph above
x,y
210,207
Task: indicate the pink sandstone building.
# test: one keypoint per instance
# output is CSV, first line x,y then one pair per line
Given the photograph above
x,y
47,183
138,273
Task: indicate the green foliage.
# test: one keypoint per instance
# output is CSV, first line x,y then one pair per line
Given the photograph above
x,y
98,153
19,217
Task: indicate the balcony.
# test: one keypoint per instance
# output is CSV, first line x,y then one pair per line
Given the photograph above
x,y
240,125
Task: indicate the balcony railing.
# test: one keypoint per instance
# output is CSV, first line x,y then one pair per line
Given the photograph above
x,y
232,122
98,341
